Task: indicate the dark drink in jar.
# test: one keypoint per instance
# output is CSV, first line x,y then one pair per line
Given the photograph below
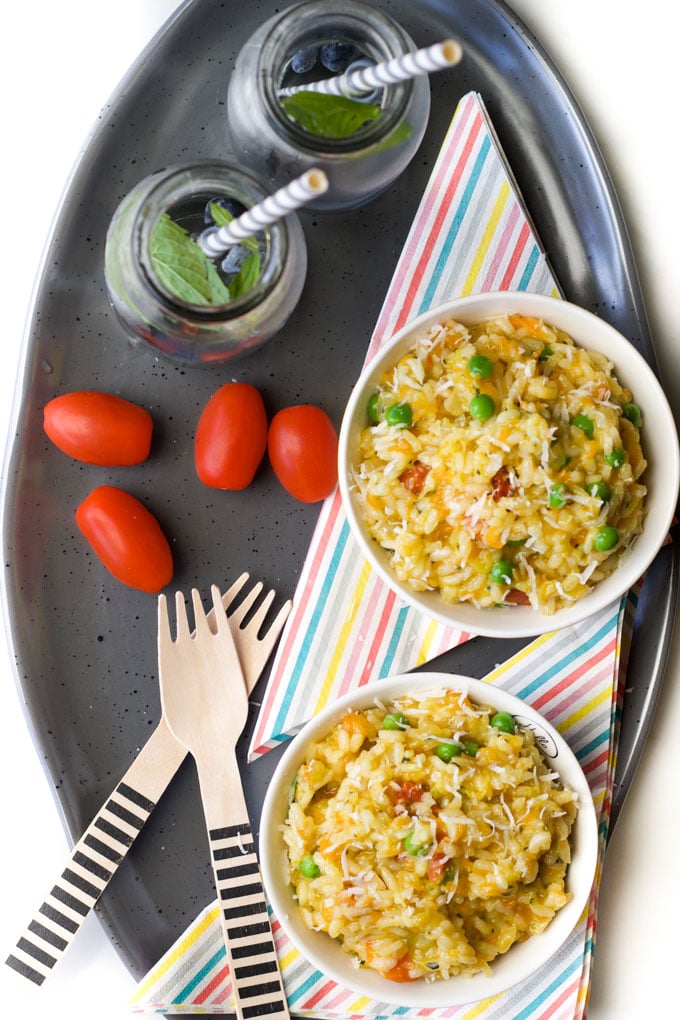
x,y
177,301
362,144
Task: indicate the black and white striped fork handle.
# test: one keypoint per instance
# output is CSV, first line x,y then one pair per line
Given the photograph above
x,y
255,976
95,858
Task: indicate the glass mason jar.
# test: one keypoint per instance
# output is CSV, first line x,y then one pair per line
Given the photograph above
x,y
358,167
175,328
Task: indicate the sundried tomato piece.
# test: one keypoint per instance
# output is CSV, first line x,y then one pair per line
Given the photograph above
x,y
501,484
414,477
437,865
408,792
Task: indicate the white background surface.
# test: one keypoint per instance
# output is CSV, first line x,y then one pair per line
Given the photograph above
x,y
61,62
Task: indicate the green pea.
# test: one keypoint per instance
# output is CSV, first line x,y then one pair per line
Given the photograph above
x,y
557,497
482,407
395,721
501,572
309,868
373,408
503,721
470,747
585,424
545,353
481,366
448,751
400,415
414,849
632,413
601,490
605,538
616,458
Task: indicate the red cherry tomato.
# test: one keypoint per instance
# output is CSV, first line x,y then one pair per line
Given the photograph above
x,y
127,538
99,428
303,450
231,437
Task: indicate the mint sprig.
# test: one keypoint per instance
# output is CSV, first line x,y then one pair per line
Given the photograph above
x,y
183,268
186,272
328,116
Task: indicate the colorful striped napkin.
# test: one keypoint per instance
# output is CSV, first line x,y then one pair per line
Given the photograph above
x,y
471,233
570,676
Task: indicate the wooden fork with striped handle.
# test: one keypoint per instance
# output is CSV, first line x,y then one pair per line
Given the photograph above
x,y
206,704
106,841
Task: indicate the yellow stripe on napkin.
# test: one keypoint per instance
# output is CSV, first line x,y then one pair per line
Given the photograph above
x,y
176,953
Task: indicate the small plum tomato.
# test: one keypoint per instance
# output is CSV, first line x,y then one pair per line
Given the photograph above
x,y
231,437
98,428
127,538
303,451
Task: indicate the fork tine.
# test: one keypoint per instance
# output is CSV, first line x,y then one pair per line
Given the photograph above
x,y
249,600
271,635
164,635
231,593
220,613
277,625
261,611
200,619
260,614
182,620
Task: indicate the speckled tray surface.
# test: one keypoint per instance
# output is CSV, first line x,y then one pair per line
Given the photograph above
x,y
85,645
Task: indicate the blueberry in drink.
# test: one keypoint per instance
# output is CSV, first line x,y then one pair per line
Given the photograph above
x,y
336,56
304,60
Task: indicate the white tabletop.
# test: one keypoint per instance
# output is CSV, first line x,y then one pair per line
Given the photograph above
x,y
61,62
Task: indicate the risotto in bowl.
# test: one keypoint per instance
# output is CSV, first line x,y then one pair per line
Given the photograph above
x,y
509,464
429,840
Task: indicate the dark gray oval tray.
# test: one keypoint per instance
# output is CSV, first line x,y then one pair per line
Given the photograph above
x,y
85,645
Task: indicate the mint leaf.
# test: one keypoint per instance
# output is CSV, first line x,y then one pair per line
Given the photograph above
x,y
222,218
248,275
183,268
328,116
400,134
220,294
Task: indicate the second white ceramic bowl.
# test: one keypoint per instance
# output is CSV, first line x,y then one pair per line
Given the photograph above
x,y
507,970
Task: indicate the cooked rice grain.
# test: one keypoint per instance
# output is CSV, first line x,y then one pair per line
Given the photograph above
x,y
428,868
449,495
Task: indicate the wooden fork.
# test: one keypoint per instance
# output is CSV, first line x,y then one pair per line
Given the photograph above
x,y
106,841
205,703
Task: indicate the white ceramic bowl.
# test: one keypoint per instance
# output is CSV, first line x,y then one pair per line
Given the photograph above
x,y
659,443
507,970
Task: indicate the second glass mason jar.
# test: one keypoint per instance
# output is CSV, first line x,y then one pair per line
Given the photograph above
x,y
170,323
358,167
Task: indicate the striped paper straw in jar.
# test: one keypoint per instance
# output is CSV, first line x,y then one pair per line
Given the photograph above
x,y
388,72
292,196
